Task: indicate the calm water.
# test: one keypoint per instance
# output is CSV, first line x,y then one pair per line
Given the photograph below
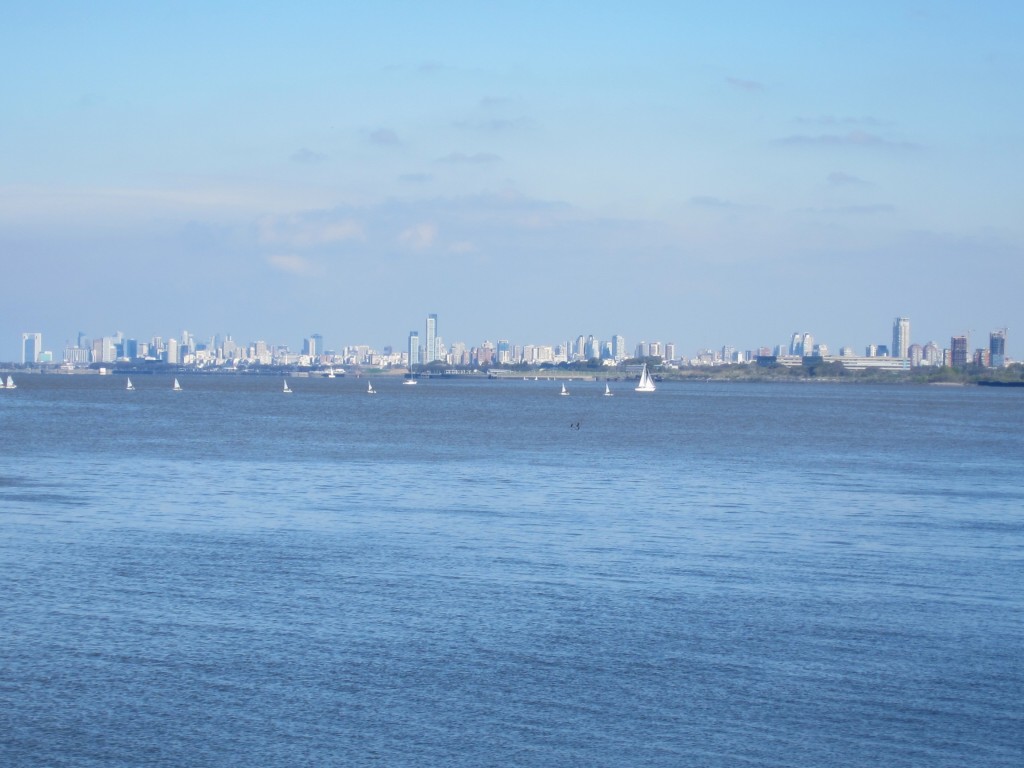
x,y
455,574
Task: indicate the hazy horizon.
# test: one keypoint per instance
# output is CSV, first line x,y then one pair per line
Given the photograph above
x,y
705,174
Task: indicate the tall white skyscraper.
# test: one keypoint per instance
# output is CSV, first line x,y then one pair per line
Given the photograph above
x,y
900,337
31,346
431,339
414,348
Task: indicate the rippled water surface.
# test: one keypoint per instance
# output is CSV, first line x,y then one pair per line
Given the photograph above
x,y
473,572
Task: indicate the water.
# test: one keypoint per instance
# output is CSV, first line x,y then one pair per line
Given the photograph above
x,y
455,574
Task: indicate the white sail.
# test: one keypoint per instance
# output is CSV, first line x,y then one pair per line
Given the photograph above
x,y
177,386
607,391
286,390
564,390
11,384
370,390
129,386
646,382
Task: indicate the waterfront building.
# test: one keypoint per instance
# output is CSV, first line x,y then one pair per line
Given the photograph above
x,y
31,347
915,353
931,354
958,351
431,339
670,351
901,337
414,348
618,348
997,348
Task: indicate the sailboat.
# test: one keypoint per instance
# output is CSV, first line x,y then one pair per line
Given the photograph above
x,y
330,373
646,382
607,390
370,390
129,386
564,390
177,386
11,384
286,390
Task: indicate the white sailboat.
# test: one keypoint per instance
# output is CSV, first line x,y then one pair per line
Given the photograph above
x,y
11,384
177,386
564,390
370,390
607,390
286,390
410,382
128,385
330,373
646,382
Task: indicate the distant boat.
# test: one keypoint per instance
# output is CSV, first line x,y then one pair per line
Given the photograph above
x,y
330,373
607,391
177,386
129,386
286,390
410,382
564,390
646,382
370,390
11,384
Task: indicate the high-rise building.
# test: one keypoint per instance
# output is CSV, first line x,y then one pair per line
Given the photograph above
x,y
31,347
171,355
414,348
901,337
997,348
313,346
431,339
958,351
618,348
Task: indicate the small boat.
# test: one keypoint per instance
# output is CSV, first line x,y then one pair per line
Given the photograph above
x,y
330,373
11,384
129,386
410,382
286,390
607,390
370,390
646,382
564,390
177,386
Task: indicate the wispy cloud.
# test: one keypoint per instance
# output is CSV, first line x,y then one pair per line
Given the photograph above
x,y
750,86
419,236
494,124
708,201
461,158
291,263
298,231
842,179
833,121
430,67
853,210
851,139
416,178
384,137
306,156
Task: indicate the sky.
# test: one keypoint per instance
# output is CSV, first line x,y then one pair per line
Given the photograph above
x,y
702,173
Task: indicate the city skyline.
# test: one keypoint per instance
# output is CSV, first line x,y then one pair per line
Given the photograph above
x,y
220,349
715,173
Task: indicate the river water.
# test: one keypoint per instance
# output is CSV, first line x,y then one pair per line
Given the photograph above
x,y
473,572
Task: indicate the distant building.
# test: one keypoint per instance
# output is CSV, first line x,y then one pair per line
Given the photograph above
x,y
431,339
31,347
958,351
618,348
931,354
997,348
901,337
915,353
414,348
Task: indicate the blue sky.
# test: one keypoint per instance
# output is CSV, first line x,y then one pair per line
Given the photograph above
x,y
702,173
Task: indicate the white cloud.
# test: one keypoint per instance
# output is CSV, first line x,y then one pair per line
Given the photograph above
x,y
291,263
419,237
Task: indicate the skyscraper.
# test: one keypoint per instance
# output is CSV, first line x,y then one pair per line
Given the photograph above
x,y
431,339
901,337
997,348
31,346
414,348
958,351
